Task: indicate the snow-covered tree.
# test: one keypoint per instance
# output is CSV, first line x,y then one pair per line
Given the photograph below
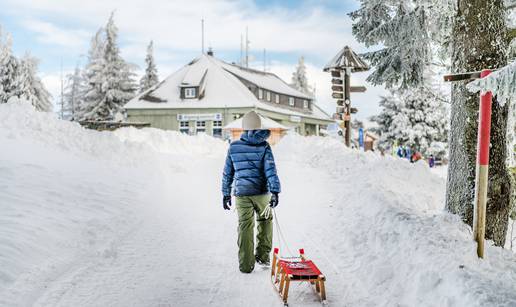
x,y
390,107
9,66
110,77
473,51
299,80
407,31
30,87
74,94
93,74
401,30
416,118
150,78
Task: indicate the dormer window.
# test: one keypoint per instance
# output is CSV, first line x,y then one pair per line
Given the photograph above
x,y
305,104
268,95
260,94
291,101
190,92
277,98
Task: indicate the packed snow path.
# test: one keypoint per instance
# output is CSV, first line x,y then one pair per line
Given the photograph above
x,y
134,218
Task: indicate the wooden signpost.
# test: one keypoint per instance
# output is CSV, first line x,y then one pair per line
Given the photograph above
x,y
482,168
341,67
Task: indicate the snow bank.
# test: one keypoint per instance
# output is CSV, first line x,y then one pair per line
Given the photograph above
x,y
68,194
133,217
393,242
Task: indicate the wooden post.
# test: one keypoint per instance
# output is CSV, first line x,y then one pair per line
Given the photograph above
x,y
482,170
347,103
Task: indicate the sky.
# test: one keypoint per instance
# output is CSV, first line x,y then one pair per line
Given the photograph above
x,y
58,32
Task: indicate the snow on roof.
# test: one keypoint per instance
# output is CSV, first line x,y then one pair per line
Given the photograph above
x,y
347,58
264,80
222,89
267,123
194,75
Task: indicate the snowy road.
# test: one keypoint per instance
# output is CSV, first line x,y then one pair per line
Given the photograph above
x,y
183,253
135,219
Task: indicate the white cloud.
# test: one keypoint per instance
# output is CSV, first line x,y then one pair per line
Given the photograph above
x,y
309,29
49,33
176,24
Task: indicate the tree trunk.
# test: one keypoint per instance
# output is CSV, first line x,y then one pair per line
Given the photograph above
x,y
478,42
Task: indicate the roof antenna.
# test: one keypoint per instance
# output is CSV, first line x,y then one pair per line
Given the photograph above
x,y
264,60
202,35
241,50
246,47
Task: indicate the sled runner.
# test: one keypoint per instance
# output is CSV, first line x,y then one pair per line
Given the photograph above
x,y
286,270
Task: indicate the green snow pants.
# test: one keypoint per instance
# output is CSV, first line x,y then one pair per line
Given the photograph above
x,y
246,207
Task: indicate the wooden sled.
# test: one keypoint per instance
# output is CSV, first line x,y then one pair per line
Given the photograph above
x,y
284,271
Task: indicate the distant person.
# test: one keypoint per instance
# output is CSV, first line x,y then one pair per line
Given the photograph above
x,y
416,156
400,152
250,164
408,153
431,161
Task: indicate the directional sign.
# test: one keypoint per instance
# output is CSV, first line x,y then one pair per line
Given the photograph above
x,y
341,110
337,95
353,110
357,89
336,81
340,102
335,73
337,116
337,88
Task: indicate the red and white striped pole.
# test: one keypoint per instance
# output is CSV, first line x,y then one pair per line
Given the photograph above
x,y
481,181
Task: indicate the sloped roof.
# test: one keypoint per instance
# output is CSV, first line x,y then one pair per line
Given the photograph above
x,y
347,58
222,89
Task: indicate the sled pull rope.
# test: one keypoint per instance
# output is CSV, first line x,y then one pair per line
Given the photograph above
x,y
280,233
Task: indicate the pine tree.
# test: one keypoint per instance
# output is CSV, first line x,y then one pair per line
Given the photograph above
x,y
415,118
30,87
390,107
299,80
93,75
111,79
479,41
407,30
74,94
9,67
150,78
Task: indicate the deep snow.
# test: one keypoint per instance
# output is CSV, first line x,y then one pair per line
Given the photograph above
x,y
134,218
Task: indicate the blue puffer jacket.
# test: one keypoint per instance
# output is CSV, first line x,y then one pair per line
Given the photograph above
x,y
250,164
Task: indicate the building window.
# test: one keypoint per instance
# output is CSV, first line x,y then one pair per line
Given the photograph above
x,y
184,127
217,128
277,98
305,104
268,95
260,94
190,92
291,101
200,126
